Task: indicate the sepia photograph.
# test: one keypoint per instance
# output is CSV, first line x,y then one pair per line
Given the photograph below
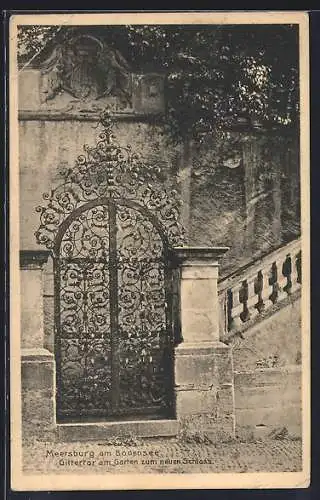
x,y
159,250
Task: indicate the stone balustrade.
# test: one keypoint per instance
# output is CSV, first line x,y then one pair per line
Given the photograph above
x,y
255,288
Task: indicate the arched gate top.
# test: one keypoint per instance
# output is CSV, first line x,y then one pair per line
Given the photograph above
x,y
109,171
105,201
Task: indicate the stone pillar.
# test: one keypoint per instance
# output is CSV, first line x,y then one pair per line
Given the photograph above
x,y
203,365
31,265
37,363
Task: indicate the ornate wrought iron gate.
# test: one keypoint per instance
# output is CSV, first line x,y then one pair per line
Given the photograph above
x,y
113,323
110,232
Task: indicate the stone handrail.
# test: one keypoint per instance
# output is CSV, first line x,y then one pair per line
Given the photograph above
x,y
255,288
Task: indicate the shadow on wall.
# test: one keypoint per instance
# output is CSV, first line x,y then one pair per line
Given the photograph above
x,y
253,208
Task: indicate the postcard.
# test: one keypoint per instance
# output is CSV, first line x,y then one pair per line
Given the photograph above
x,y
159,250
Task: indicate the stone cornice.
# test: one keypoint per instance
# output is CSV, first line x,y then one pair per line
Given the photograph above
x,y
128,116
88,116
197,255
33,259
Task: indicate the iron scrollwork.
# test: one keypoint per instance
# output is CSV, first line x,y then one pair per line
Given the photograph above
x,y
108,170
110,233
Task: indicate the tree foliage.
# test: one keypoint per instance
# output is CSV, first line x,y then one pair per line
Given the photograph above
x,y
216,74
32,39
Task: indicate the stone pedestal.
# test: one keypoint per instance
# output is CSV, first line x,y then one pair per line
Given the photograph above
x,y
31,269
203,365
37,363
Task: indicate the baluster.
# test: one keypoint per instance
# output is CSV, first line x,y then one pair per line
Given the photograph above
x,y
252,297
229,300
258,289
287,271
266,288
298,268
243,298
273,282
294,273
226,312
234,308
223,309
282,264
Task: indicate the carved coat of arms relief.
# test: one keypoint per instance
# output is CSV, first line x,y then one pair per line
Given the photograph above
x,y
86,72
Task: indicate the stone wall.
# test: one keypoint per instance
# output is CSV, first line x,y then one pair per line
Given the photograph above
x,y
205,391
253,208
221,212
47,146
267,364
38,394
268,401
226,202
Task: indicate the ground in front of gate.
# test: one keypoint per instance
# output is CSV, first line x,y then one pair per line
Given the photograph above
x,y
271,454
